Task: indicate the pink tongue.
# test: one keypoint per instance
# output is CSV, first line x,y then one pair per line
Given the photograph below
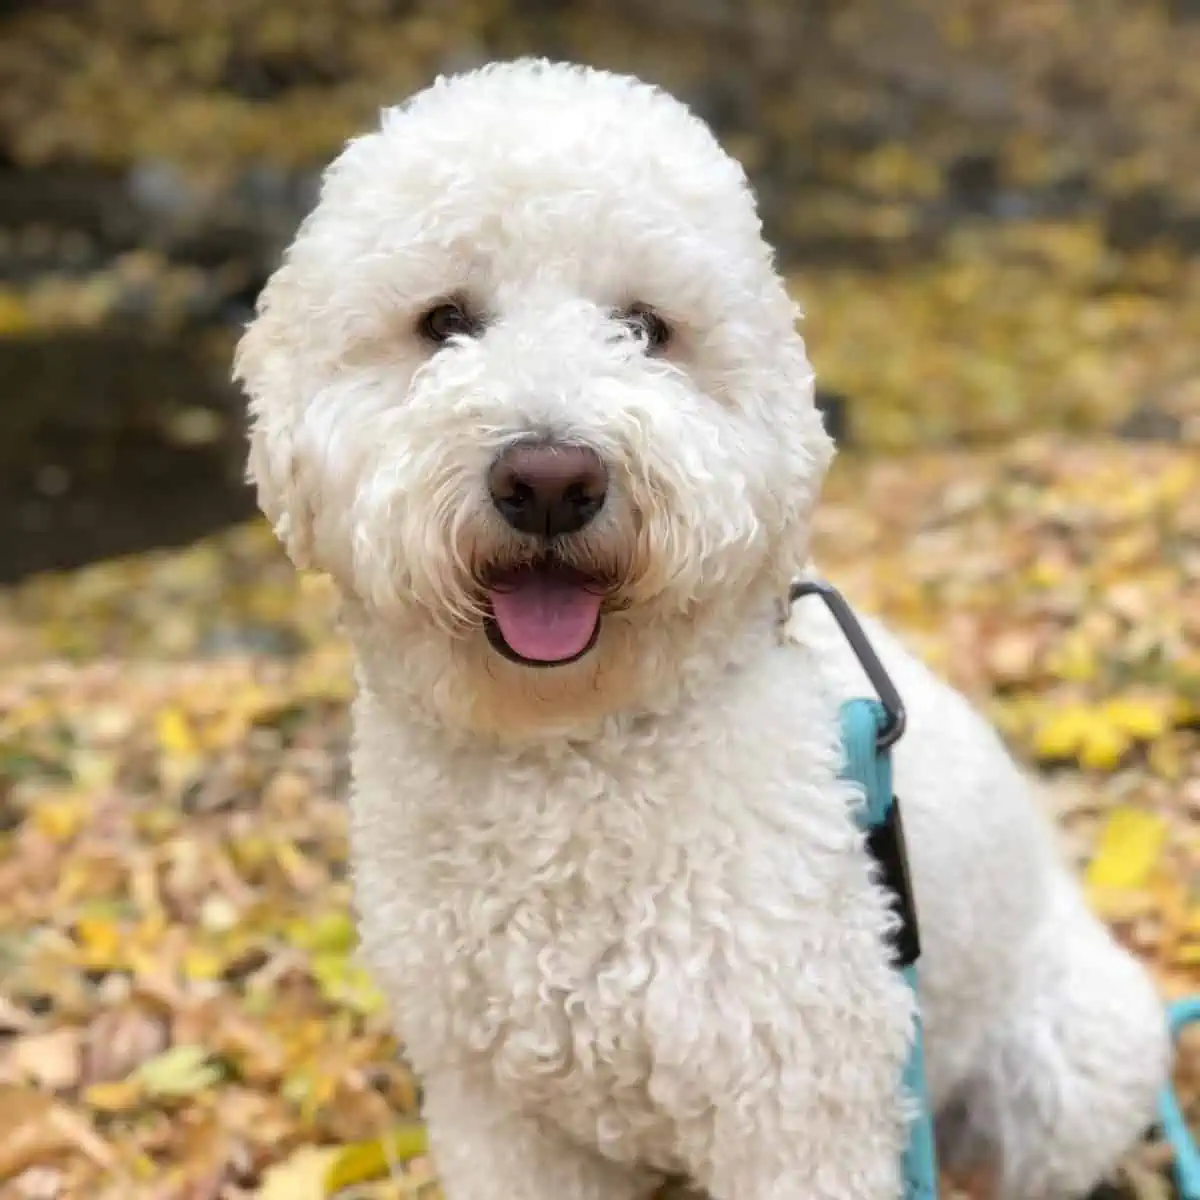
x,y
545,617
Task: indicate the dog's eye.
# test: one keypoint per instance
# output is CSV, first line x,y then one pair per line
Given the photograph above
x,y
647,325
447,320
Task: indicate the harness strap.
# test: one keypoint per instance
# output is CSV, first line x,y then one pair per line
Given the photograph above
x,y
869,729
1170,1113
870,766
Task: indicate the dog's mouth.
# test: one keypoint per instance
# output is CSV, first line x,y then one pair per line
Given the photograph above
x,y
544,614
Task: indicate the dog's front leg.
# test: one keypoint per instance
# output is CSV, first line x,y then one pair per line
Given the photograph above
x,y
838,1158
811,1106
485,1150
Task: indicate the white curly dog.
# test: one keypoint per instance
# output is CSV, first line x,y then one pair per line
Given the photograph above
x,y
528,388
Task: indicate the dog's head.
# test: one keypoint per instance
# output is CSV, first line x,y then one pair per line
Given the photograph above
x,y
529,388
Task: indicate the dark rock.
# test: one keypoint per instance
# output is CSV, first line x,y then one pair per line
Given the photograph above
x,y
973,181
1137,219
1150,424
834,407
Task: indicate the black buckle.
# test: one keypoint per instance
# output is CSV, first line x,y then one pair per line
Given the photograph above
x,y
863,651
885,844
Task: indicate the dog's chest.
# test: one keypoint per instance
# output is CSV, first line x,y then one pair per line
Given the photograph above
x,y
585,994
606,934
561,998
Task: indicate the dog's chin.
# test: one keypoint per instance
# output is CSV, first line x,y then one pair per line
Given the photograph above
x,y
544,614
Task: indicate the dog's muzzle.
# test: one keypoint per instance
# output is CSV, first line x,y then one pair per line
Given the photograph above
x,y
544,613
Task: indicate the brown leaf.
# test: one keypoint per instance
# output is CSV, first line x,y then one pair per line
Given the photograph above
x,y
52,1060
14,1019
38,1130
119,1041
39,1183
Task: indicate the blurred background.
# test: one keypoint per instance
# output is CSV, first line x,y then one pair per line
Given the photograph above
x,y
991,214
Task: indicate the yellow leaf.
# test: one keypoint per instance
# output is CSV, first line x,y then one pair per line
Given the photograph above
x,y
175,734
202,963
1166,758
1075,661
1141,719
301,1176
120,1097
1104,745
347,984
1062,735
1046,574
330,933
181,1071
365,1161
1129,849
61,819
100,940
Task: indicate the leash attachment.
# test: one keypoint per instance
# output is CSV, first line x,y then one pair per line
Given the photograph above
x,y
870,728
843,614
868,763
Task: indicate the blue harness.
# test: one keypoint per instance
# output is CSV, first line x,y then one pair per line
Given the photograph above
x,y
870,728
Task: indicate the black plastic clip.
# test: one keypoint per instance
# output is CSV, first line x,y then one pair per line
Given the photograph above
x,y
885,843
843,614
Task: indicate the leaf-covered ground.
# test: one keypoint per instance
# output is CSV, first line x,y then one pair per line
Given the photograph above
x,y
992,216
181,1016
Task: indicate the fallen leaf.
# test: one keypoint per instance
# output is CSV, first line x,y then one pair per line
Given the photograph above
x,y
39,1183
52,1060
175,734
119,1041
178,1072
14,1019
119,1096
37,1129
300,1176
1129,849
375,1159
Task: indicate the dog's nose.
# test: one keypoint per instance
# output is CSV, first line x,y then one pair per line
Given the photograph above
x,y
549,489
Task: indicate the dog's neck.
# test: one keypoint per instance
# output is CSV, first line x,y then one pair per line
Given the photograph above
x,y
663,672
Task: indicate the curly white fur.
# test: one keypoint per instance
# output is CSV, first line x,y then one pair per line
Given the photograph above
x,y
620,907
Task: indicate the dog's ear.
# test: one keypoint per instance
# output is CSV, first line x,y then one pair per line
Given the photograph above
x,y
267,366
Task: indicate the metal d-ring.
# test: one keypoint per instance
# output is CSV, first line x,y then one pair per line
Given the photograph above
x,y
881,681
